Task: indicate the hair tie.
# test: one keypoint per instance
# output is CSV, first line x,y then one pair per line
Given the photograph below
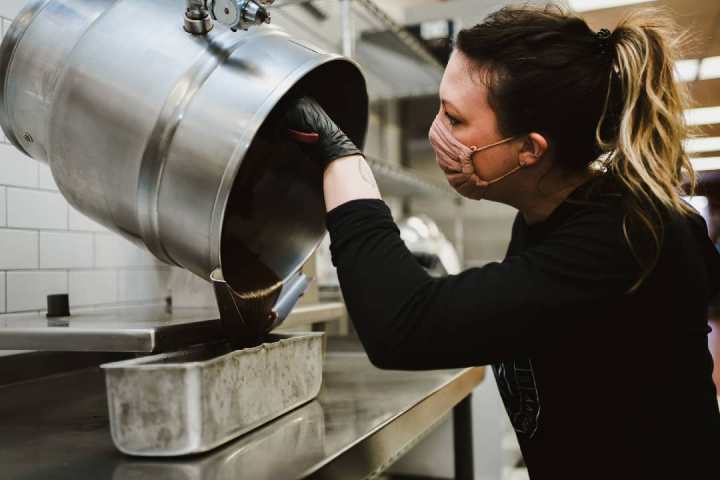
x,y
603,40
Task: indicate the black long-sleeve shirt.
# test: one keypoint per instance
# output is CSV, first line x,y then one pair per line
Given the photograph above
x,y
598,382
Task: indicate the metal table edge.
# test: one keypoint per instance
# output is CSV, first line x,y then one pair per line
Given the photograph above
x,y
144,339
140,340
374,445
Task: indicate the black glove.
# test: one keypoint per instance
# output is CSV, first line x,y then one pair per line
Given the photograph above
x,y
317,133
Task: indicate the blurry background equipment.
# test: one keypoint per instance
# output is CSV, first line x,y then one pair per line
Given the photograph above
x,y
429,245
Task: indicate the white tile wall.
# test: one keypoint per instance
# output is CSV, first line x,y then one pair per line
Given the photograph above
x,y
18,249
45,178
36,209
29,290
66,250
93,287
115,251
80,222
142,285
17,169
2,291
3,207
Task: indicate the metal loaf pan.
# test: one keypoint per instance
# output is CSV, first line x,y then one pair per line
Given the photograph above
x,y
194,400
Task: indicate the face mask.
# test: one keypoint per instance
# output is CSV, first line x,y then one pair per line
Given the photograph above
x,y
455,156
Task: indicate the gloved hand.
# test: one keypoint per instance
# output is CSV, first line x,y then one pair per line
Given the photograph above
x,y
317,133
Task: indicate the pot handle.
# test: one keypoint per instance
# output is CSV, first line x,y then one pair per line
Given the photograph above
x,y
289,296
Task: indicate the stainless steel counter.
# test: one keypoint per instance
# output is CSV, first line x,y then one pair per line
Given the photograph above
x,y
134,329
57,428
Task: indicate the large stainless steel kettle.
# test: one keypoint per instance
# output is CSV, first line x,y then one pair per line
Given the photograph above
x,y
169,138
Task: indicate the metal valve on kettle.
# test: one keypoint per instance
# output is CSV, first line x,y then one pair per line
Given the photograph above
x,y
236,14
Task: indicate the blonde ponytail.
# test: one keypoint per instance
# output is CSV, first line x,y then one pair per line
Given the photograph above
x,y
647,153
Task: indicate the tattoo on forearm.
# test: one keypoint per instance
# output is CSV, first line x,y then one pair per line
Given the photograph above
x,y
366,173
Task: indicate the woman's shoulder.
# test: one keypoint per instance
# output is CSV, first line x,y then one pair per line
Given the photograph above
x,y
596,205
687,240
593,219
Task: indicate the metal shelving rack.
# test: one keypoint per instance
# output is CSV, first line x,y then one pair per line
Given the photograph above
x,y
395,180
402,182
400,33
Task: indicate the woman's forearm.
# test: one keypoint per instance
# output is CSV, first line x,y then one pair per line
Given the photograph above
x,y
349,178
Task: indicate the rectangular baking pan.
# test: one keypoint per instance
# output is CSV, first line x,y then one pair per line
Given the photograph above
x,y
194,400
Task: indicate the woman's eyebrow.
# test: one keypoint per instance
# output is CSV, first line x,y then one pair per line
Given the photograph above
x,y
448,103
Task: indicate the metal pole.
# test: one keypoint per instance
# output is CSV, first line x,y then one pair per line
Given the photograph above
x,y
463,440
347,28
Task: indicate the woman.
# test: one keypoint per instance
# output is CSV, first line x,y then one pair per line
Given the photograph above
x,y
595,322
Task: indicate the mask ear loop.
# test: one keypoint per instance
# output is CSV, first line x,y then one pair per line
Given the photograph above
x,y
499,142
474,150
506,175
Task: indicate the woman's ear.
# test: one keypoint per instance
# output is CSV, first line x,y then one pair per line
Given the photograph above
x,y
533,148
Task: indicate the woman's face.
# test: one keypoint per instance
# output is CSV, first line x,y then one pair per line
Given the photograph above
x,y
464,108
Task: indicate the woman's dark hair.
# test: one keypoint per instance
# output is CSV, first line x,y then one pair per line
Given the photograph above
x,y
594,95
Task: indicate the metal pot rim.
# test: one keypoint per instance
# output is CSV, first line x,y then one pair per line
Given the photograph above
x,y
233,166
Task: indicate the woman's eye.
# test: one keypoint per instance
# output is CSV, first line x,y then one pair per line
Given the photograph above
x,y
453,121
